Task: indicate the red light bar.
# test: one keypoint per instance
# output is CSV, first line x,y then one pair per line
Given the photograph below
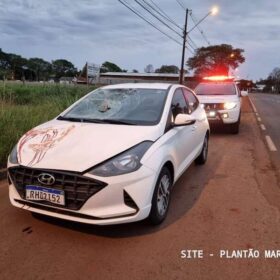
x,y
218,78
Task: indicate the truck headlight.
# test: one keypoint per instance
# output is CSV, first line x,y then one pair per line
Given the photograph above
x,y
229,105
126,162
13,158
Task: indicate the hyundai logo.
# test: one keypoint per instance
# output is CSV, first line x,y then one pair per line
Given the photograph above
x,y
46,179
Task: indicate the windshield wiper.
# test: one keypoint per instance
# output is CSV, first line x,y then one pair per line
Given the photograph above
x,y
79,120
112,121
108,121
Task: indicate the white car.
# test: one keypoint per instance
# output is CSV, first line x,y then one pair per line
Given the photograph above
x,y
221,98
112,157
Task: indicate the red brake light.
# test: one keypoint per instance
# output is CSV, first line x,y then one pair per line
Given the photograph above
x,y
219,78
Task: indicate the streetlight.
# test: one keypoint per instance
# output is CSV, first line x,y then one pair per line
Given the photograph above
x,y
212,12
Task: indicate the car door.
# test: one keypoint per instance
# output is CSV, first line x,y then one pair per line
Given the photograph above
x,y
184,140
198,113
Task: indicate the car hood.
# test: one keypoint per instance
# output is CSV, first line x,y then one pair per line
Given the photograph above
x,y
64,145
217,98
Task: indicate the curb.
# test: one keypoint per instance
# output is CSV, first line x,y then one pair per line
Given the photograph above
x,y
3,173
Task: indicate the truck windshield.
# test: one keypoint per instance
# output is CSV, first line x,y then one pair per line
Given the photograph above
x,y
215,89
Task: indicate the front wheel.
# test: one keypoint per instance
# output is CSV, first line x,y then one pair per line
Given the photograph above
x,y
234,127
202,158
161,197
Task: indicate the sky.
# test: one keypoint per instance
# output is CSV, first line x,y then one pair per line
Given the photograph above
x,y
98,31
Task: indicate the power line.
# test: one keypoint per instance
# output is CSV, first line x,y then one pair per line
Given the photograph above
x,y
197,23
194,46
182,6
142,17
150,23
165,15
200,30
149,11
141,4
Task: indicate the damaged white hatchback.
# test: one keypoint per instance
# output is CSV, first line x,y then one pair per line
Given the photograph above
x,y
112,157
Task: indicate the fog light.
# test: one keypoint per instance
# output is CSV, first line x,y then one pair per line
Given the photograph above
x,y
225,115
212,114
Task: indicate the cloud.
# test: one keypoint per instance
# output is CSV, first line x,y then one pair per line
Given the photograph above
x,y
95,30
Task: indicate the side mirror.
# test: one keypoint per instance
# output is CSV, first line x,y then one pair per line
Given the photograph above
x,y
244,93
184,119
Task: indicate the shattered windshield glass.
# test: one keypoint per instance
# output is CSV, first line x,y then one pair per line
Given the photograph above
x,y
123,106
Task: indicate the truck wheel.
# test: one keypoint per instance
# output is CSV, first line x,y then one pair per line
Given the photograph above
x,y
234,128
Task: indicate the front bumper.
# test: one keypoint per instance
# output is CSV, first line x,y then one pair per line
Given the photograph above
x,y
224,116
122,199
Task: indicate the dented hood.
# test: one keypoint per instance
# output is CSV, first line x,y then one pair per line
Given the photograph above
x,y
74,146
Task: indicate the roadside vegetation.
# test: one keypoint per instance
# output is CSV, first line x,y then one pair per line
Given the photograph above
x,y
23,106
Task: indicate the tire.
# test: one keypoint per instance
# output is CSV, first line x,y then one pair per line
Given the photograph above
x,y
234,128
202,158
161,197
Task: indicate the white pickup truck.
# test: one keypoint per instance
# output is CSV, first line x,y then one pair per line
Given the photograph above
x,y
221,99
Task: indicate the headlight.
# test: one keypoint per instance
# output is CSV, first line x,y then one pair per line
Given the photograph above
x,y
13,158
126,162
229,105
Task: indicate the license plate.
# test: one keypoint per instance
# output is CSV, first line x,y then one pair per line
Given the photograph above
x,y
41,193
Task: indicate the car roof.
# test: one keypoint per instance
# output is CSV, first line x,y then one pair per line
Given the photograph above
x,y
140,85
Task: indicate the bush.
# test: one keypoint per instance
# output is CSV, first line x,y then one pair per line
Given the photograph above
x,y
23,107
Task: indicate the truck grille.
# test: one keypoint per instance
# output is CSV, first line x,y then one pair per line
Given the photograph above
x,y
77,188
213,106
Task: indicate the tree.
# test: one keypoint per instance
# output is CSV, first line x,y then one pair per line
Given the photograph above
x,y
12,66
149,68
266,85
215,60
4,60
5,67
39,69
110,67
18,65
274,79
134,71
63,67
168,69
246,84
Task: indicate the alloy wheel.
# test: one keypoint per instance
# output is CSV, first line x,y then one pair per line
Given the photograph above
x,y
163,195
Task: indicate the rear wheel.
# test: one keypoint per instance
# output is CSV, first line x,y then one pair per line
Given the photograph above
x,y
202,158
161,197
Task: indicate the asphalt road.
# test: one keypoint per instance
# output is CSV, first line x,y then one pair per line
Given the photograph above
x,y
231,203
268,112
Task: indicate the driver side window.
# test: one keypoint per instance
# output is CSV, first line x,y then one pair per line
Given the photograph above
x,y
179,105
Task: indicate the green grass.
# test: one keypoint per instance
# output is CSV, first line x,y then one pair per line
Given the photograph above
x,y
23,107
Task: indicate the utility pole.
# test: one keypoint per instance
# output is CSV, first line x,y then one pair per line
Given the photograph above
x,y
87,73
185,33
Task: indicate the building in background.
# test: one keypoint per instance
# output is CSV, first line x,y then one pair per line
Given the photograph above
x,y
111,78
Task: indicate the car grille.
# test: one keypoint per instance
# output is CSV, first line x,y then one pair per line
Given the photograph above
x,y
77,188
213,106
